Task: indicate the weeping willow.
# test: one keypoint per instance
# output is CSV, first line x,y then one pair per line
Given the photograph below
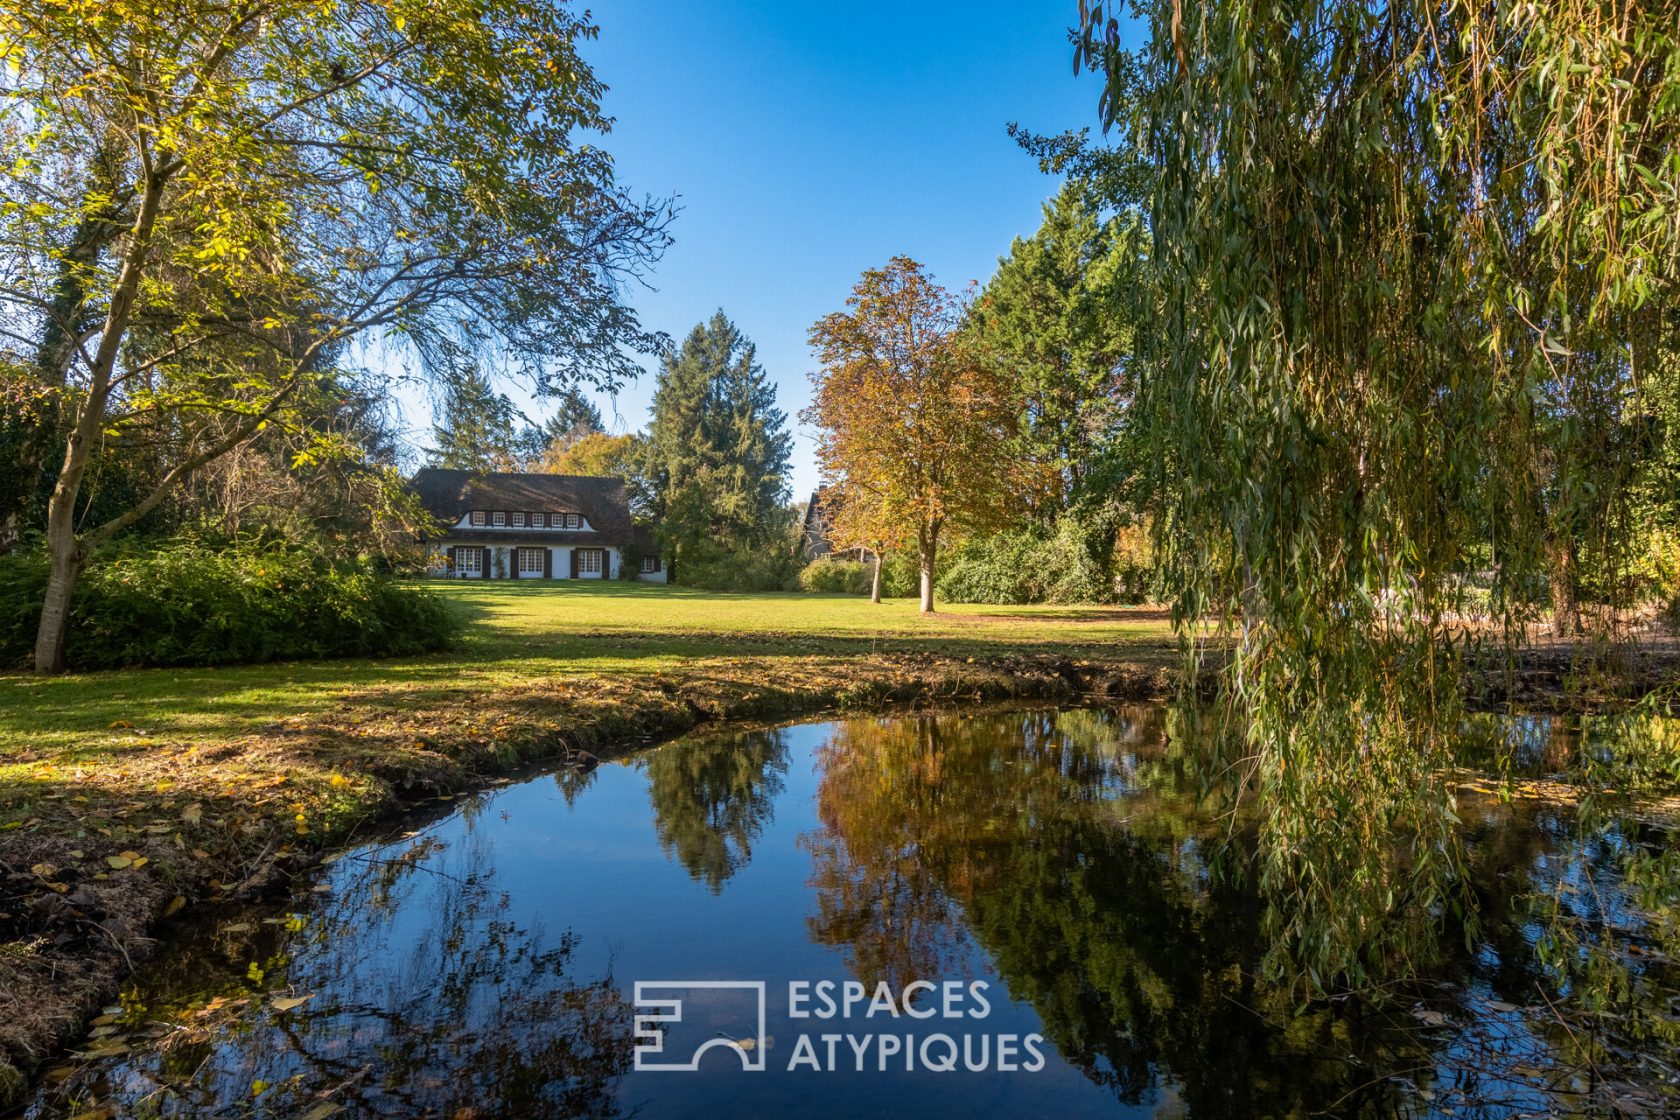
x,y
1415,259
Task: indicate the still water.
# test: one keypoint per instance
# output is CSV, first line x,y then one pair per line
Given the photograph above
x,y
1023,895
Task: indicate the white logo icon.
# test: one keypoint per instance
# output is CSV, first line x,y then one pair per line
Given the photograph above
x,y
661,998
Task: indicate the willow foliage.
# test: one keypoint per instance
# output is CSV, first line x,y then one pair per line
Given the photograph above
x,y
1414,259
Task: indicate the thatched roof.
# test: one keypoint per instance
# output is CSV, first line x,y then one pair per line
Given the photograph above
x,y
449,494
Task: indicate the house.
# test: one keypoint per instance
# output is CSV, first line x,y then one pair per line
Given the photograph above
x,y
533,526
816,537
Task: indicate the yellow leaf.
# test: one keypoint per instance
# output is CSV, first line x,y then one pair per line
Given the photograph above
x,y
289,1003
118,862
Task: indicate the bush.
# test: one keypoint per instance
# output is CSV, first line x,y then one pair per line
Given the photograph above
x,y
1087,556
770,567
834,576
188,604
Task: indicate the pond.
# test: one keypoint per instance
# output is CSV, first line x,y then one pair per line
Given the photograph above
x,y
1002,913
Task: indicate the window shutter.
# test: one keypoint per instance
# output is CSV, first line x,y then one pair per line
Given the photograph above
x,y
548,563
574,554
484,562
451,554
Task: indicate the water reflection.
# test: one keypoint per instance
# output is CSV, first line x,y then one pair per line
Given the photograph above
x,y
713,797
408,991
1065,857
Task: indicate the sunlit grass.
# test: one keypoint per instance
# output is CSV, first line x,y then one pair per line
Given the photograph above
x,y
517,635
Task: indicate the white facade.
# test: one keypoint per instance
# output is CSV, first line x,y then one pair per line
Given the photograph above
x,y
512,560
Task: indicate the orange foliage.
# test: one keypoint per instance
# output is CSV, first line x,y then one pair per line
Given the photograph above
x,y
913,427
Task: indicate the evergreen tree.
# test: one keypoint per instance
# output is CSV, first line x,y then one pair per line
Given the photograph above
x,y
577,417
1058,321
717,446
476,427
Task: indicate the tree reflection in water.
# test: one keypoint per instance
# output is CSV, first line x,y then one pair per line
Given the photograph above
x,y
441,1008
713,796
1069,848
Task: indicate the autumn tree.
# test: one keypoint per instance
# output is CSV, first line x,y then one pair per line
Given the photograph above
x,y
914,430
200,203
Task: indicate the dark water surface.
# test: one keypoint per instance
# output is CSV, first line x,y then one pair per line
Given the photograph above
x,y
1044,874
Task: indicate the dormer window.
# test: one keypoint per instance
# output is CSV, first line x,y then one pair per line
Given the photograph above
x,y
519,521
538,520
498,518
574,521
478,517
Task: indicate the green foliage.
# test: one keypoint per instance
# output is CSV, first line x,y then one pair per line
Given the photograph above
x,y
836,575
477,428
1075,560
1413,264
1058,320
768,567
717,455
191,604
900,576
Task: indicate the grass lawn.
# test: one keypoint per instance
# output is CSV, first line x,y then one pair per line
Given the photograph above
x,y
519,635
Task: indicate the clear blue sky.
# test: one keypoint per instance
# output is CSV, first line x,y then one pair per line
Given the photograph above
x,y
807,142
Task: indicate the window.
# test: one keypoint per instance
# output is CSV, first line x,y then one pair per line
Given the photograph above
x,y
650,563
469,561
478,517
498,518
573,521
531,561
519,520
538,520
589,561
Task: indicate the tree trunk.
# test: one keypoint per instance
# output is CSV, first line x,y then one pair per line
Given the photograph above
x,y
67,562
62,544
875,581
1566,609
930,548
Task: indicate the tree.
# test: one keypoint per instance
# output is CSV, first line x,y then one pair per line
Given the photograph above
x,y
914,429
477,428
198,202
577,417
717,446
1414,262
594,454
1059,319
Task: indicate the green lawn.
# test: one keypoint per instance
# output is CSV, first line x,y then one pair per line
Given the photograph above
x,y
518,634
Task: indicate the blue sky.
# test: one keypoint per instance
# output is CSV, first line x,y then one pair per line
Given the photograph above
x,y
807,142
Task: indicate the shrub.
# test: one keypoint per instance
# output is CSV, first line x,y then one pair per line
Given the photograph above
x,y
770,567
188,604
835,576
996,569
1087,556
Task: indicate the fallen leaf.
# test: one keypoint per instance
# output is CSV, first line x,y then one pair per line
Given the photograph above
x,y
288,1003
192,814
176,905
321,1111
118,862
